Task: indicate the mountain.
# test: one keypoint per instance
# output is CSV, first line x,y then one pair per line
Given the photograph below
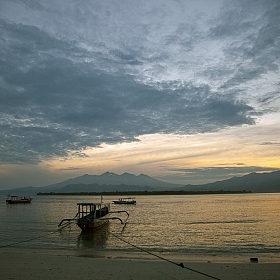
x,y
111,182
20,191
111,179
108,181
254,182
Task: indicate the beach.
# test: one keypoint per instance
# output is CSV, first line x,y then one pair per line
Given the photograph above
x,y
22,263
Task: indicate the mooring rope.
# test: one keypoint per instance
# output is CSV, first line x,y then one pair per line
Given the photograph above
x,y
30,239
162,258
123,240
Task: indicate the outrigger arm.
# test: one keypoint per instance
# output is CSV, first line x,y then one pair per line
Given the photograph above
x,y
113,218
66,220
116,218
120,211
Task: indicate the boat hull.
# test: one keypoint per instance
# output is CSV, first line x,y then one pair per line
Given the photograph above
x,y
86,225
124,202
20,201
91,216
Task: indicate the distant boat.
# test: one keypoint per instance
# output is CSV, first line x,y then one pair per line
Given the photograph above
x,y
92,216
125,200
13,199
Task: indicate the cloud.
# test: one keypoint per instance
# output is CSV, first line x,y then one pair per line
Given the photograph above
x,y
198,175
250,33
270,143
76,75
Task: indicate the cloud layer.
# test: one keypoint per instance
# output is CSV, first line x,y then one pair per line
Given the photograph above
x,y
76,74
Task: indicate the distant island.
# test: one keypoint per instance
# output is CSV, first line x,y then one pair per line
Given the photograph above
x,y
145,193
126,183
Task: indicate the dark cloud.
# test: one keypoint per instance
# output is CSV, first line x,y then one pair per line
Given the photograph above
x,y
89,80
250,31
270,143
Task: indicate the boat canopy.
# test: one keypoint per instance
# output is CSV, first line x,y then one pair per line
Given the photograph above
x,y
96,209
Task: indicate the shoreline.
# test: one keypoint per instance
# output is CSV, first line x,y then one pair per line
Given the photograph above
x,y
27,263
145,256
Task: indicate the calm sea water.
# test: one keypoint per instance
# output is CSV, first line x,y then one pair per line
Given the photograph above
x,y
221,225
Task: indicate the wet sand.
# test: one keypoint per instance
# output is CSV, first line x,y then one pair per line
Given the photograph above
x,y
20,263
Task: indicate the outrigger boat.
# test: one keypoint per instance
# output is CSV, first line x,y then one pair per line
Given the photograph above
x,y
13,199
92,216
125,200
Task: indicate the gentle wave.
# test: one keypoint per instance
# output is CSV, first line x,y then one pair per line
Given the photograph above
x,y
206,224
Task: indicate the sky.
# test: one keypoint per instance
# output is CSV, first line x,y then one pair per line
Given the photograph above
x,y
184,91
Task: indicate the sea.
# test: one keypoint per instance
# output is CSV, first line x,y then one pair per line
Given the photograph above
x,y
225,226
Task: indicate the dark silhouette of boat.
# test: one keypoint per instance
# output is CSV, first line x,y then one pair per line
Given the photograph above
x,y
125,200
92,216
14,199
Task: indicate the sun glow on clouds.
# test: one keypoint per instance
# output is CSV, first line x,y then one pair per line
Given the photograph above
x,y
167,88
157,154
192,159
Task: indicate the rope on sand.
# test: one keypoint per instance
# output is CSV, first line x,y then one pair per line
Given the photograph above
x,y
121,239
167,260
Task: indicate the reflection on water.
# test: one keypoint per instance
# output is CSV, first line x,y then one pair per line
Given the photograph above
x,y
196,224
91,240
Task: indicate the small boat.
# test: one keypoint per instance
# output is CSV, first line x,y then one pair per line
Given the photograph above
x,y
92,216
14,199
125,200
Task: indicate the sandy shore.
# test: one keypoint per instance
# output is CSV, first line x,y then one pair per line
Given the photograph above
x,y
20,264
